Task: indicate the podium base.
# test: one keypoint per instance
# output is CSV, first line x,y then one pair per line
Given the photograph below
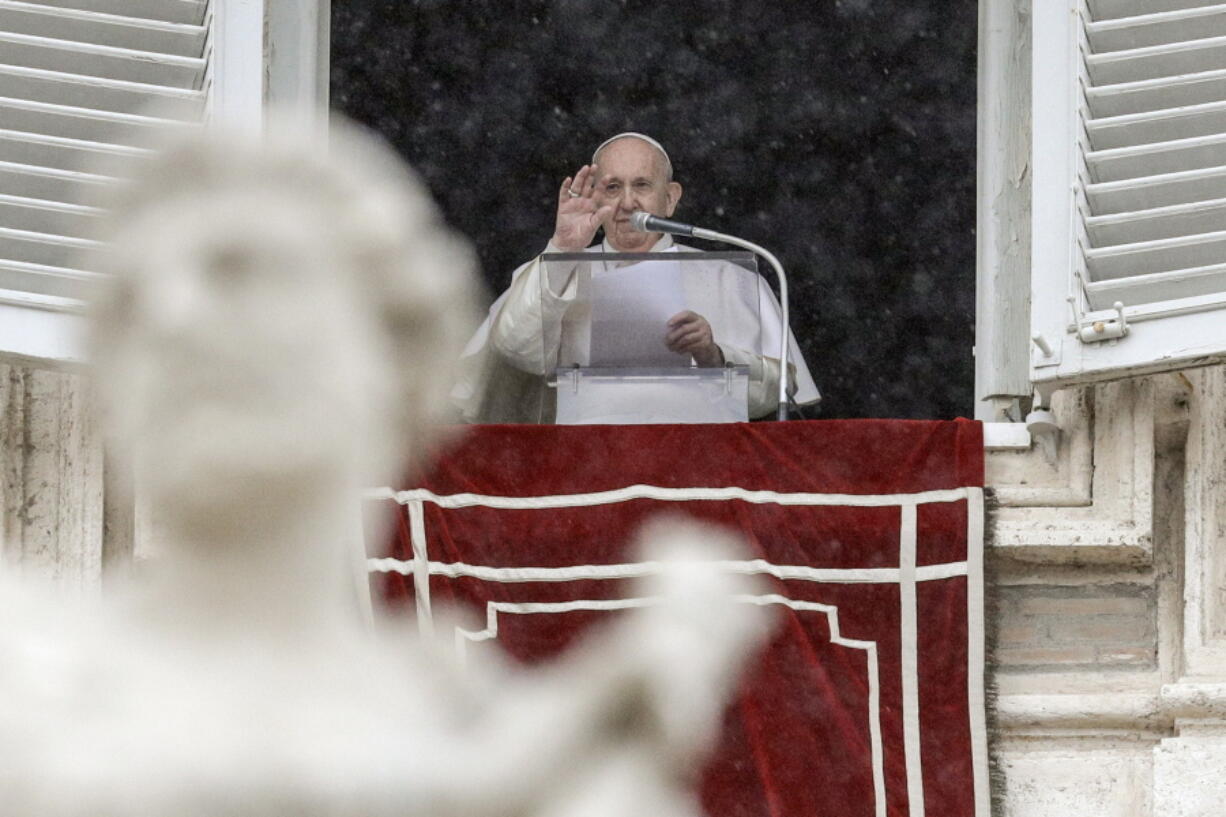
x,y
641,396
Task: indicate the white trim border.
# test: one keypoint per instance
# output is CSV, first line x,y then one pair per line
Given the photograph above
x,y
630,492
634,570
906,576
872,671
908,633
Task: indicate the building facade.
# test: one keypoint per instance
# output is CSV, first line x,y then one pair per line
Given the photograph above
x,y
1102,254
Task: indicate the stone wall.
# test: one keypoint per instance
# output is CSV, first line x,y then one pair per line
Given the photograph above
x,y
1107,599
1072,627
51,487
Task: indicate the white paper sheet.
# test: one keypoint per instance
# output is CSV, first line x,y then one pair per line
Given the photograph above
x,y
630,310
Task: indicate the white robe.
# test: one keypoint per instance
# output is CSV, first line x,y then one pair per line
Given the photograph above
x,y
504,367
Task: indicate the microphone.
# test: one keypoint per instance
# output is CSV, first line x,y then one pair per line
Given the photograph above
x,y
647,223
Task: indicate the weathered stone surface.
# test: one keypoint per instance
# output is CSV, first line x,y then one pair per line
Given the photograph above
x,y
52,477
1062,627
1067,780
1188,777
1113,675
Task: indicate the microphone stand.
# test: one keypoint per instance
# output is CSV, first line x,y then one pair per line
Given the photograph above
x,y
712,235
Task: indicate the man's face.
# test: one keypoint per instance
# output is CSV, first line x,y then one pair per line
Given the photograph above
x,y
633,177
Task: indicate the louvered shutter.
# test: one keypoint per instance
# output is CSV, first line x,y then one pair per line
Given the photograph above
x,y
85,79
1129,187
77,79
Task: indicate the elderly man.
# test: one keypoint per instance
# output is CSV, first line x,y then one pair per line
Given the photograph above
x,y
527,332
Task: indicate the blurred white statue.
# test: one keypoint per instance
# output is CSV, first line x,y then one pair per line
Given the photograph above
x,y
275,335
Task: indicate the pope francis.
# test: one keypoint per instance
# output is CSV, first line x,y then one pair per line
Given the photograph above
x,y
529,327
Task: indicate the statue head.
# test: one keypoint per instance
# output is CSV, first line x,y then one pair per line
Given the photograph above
x,y
278,322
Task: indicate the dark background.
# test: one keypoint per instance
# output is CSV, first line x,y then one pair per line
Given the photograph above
x,y
838,133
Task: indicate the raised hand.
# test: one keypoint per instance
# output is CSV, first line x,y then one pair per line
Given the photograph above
x,y
690,334
579,216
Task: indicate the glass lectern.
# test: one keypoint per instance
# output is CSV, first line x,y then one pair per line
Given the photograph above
x,y
604,325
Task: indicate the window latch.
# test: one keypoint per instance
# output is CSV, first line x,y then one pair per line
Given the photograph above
x,y
1109,329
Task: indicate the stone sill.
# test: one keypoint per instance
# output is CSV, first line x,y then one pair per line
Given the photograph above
x,y
1086,714
1187,706
1006,437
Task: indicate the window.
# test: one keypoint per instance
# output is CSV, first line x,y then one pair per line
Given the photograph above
x,y
1128,270
84,80
77,78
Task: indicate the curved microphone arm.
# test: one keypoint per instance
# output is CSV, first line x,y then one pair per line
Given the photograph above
x,y
711,235
646,222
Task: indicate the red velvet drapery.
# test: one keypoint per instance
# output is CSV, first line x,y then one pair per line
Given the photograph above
x,y
870,696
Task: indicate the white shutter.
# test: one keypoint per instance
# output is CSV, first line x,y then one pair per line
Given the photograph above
x,y
77,79
1129,187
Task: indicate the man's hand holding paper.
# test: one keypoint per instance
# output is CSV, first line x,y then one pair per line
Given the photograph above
x,y
631,310
690,334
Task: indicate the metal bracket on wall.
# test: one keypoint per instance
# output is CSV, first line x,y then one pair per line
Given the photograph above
x,y
1043,353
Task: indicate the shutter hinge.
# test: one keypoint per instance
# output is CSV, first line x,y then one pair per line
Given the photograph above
x,y
1110,329
1043,353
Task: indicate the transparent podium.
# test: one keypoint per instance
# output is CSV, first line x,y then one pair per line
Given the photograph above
x,y
607,319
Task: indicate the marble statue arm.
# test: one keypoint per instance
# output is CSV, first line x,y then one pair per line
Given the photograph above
x,y
619,725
